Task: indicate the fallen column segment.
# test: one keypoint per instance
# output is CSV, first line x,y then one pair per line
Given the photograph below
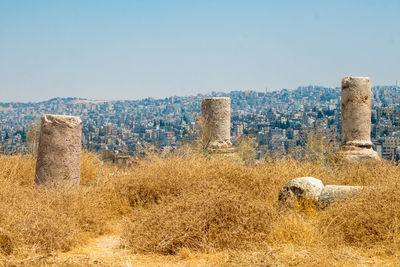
x,y
303,188
330,193
312,190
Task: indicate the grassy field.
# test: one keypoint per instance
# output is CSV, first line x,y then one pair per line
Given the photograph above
x,y
187,209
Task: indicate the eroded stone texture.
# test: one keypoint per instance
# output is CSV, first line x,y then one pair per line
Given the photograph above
x,y
216,122
332,193
59,152
313,190
356,119
303,188
357,154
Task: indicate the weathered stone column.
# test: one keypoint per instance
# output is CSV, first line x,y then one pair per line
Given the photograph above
x,y
216,122
59,152
332,193
300,189
356,119
312,191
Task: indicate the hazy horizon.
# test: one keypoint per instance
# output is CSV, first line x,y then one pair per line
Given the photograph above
x,y
186,95
123,49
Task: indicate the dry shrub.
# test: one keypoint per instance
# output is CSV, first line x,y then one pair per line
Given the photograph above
x,y
154,179
6,245
188,202
44,221
17,169
91,167
322,148
246,149
218,204
370,219
34,220
199,223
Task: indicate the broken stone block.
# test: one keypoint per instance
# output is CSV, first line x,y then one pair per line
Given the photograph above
x,y
301,189
313,191
332,193
59,152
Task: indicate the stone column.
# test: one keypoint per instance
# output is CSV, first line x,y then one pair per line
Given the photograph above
x,y
311,191
300,189
59,152
332,193
356,119
216,122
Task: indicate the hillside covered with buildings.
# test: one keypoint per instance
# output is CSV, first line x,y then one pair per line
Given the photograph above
x,y
277,120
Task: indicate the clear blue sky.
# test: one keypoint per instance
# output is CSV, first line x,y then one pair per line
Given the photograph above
x,y
120,49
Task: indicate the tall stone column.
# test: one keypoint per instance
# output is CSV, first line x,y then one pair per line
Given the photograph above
x,y
356,119
59,153
216,122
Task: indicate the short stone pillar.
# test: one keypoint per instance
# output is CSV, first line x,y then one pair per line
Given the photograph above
x,y
356,119
216,124
59,153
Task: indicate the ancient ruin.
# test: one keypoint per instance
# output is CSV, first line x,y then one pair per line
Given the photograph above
x,y
356,119
117,157
308,188
330,193
216,124
59,152
312,190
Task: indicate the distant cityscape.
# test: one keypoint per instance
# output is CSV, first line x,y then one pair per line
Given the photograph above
x,y
277,120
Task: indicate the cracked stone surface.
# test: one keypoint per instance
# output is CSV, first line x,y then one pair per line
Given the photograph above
x,y
216,122
59,152
356,119
312,189
303,188
330,193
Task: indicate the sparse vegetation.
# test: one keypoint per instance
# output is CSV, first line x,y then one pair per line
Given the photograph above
x,y
32,137
214,211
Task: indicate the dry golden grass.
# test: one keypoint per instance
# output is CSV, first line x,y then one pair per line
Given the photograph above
x,y
37,221
187,208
